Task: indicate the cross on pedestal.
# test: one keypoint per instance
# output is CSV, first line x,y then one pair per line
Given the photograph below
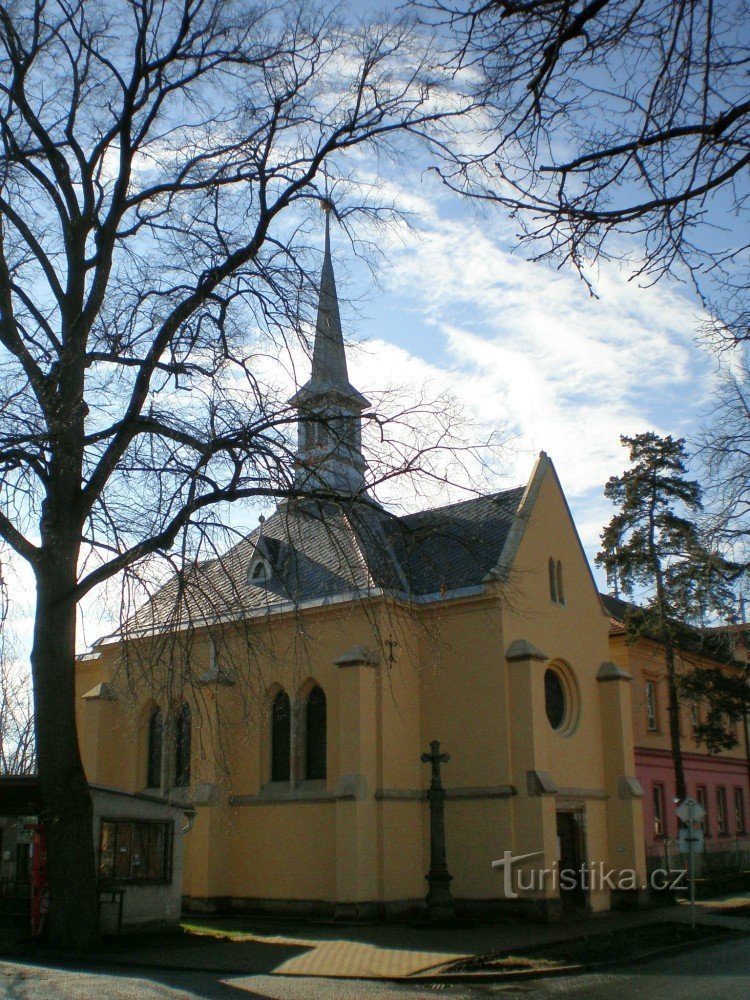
x,y
440,905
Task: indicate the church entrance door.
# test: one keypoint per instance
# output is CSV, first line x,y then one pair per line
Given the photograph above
x,y
570,849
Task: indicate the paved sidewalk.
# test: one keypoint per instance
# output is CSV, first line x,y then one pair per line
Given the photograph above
x,y
390,951
379,951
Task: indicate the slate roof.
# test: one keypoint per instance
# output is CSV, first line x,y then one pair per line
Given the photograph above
x,y
326,550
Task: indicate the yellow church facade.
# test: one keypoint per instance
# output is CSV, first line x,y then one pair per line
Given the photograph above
x,y
288,691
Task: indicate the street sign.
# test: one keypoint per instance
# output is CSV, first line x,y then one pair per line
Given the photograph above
x,y
690,838
690,811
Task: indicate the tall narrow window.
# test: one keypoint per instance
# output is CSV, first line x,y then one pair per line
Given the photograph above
x,y
315,735
659,823
153,768
695,719
560,591
701,795
281,732
739,811
721,811
652,715
182,737
552,581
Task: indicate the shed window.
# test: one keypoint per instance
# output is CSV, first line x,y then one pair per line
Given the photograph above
x,y
155,734
135,851
281,732
315,734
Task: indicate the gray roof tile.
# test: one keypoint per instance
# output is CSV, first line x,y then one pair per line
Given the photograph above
x,y
323,550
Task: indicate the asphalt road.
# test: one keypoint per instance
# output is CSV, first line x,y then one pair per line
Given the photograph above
x,y
719,972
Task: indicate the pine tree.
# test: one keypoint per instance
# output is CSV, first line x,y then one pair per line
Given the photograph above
x,y
654,547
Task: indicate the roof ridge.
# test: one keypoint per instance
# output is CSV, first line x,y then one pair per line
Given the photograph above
x,y
462,503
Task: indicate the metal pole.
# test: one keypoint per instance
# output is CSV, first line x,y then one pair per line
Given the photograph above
x,y
691,863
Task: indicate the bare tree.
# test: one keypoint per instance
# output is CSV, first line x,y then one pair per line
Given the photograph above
x,y
607,117
158,162
725,451
17,745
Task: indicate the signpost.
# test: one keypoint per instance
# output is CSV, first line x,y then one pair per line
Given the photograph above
x,y
691,812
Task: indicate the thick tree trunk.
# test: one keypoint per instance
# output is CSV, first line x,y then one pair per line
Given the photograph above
x,y
674,723
73,913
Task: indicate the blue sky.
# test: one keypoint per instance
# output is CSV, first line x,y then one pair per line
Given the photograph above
x,y
523,345
452,302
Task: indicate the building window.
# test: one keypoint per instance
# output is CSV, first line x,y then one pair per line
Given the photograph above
x,y
182,739
560,591
739,810
554,698
315,735
281,732
695,717
660,826
155,735
652,714
721,811
552,581
134,851
702,797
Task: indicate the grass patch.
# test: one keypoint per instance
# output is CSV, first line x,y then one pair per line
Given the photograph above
x,y
218,933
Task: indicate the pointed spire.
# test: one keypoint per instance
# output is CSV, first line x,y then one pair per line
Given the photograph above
x,y
329,453
329,356
329,373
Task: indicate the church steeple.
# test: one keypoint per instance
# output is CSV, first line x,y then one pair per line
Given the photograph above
x,y
329,440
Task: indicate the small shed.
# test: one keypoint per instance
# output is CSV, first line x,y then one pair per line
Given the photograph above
x,y
138,841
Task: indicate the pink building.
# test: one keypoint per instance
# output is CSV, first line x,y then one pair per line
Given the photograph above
x,y
720,782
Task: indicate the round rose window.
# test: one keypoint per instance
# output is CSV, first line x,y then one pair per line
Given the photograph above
x,y
554,698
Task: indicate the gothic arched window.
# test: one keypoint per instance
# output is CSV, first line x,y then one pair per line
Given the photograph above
x,y
281,732
560,592
153,759
182,738
315,734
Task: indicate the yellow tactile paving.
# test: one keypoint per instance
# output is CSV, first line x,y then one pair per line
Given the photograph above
x,y
353,958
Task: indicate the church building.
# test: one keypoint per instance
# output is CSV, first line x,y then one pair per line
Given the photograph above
x,y
288,689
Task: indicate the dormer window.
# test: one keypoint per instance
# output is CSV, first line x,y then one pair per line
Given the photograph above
x,y
259,572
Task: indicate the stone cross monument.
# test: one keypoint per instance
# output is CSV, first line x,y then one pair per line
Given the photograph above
x,y
440,905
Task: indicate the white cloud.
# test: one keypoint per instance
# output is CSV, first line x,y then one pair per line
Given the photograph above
x,y
522,344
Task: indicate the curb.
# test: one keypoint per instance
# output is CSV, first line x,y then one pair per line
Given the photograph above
x,y
571,970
